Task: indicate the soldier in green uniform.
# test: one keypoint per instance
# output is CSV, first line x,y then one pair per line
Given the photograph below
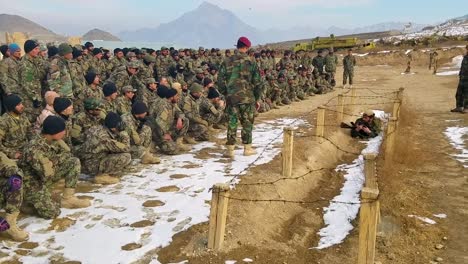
x,y
127,76
46,161
78,79
147,67
135,123
148,95
349,61
97,65
83,121
212,109
239,80
331,60
462,89
30,80
117,61
106,150
59,78
9,70
319,61
93,90
198,127
109,101
123,103
11,197
15,128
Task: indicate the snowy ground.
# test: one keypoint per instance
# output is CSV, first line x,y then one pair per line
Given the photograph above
x,y
339,215
451,68
146,209
458,137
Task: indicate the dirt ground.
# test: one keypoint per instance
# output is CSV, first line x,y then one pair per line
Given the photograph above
x,y
421,178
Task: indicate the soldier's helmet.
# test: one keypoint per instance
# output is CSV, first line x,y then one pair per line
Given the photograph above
x,y
134,64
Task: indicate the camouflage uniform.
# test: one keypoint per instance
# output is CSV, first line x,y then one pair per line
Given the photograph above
x,y
9,75
213,114
99,67
59,79
318,62
239,80
198,128
79,84
331,60
122,78
15,131
92,91
162,65
46,163
82,122
10,200
163,119
462,89
349,61
140,135
30,86
104,151
123,105
108,105
115,63
148,97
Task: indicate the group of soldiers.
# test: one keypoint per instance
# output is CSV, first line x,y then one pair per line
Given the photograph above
x,y
78,110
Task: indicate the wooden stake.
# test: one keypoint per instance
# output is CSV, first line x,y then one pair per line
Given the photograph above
x,y
390,137
320,122
218,215
396,108
340,108
288,148
369,170
400,93
368,225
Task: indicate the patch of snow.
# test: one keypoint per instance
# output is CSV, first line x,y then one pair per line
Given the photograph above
x,y
344,207
447,73
424,219
453,120
408,51
442,216
384,51
457,136
230,262
247,260
103,228
361,55
451,68
411,73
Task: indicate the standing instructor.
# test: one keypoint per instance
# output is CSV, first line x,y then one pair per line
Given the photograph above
x,y
239,80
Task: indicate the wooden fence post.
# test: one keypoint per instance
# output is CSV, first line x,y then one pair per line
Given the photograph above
x,y
369,170
320,122
400,93
396,108
288,148
218,215
368,218
340,108
390,137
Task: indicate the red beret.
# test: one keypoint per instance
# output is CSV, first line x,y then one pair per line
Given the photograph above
x,y
244,41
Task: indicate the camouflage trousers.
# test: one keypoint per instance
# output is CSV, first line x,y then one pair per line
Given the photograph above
x,y
348,74
276,96
462,94
139,150
106,163
300,93
10,200
244,113
170,147
198,131
38,193
213,119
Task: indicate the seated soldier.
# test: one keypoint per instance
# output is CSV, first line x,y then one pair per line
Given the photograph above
x,y
47,111
93,89
15,128
169,124
366,126
198,128
11,198
123,103
110,95
92,116
212,109
140,133
283,87
149,95
45,162
63,108
106,150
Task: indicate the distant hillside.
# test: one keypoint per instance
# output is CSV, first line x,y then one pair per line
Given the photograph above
x,y
97,34
14,23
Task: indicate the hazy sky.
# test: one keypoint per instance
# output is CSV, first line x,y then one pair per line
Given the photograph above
x,y
77,17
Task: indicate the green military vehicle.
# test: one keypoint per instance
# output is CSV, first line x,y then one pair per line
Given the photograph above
x,y
332,42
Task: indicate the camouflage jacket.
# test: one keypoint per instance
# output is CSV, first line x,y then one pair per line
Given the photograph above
x,y
108,106
349,61
163,116
30,79
122,78
90,92
8,167
134,129
318,62
147,96
192,110
303,81
100,141
78,79
98,66
82,122
330,63
59,78
210,112
162,65
15,131
239,80
145,72
123,105
115,63
9,75
464,69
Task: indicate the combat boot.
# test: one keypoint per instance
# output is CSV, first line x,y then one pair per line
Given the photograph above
x,y
274,106
280,104
149,158
189,140
105,179
457,110
181,145
14,231
70,201
229,152
248,150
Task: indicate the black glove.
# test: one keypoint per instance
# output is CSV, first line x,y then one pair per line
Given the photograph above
x,y
121,126
36,103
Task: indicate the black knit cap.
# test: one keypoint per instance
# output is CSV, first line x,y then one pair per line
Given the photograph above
x,y
3,49
109,88
90,76
112,120
30,45
88,45
207,81
162,90
212,93
96,51
117,50
171,92
53,125
52,51
60,104
139,108
11,101
76,53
